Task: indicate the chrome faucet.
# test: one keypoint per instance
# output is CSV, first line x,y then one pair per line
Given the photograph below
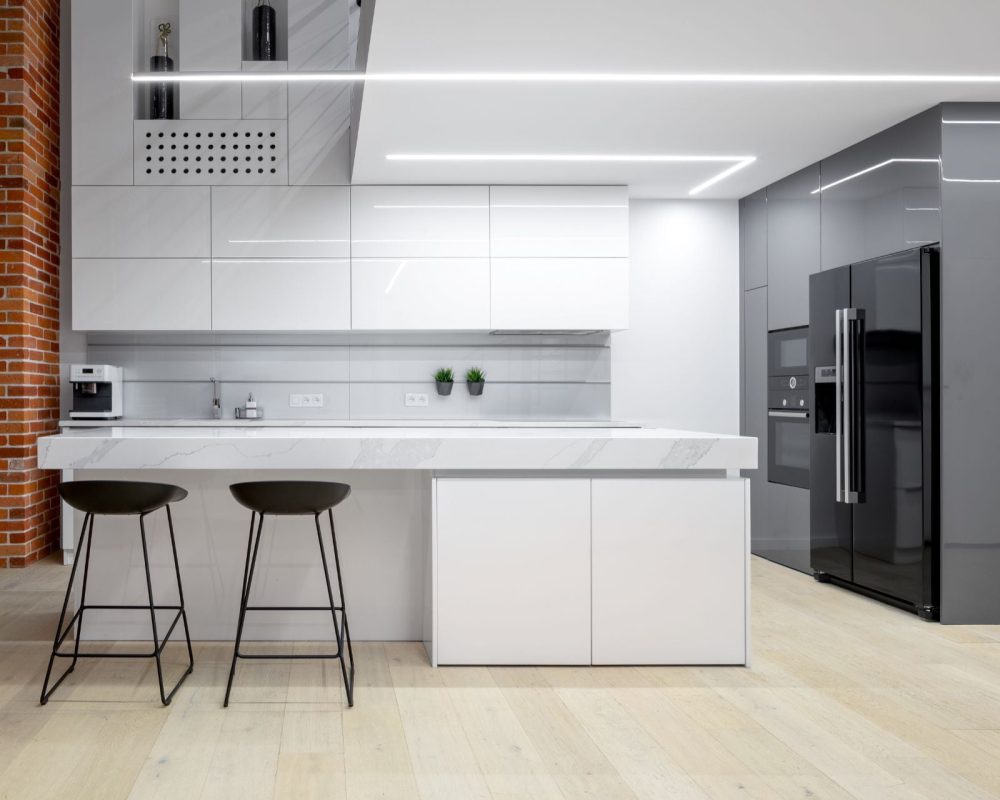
x,y
216,400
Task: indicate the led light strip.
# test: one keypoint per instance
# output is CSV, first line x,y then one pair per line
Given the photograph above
x,y
872,168
736,162
347,76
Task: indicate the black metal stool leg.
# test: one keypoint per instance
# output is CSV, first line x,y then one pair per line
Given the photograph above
x,y
83,594
180,591
244,600
157,644
348,684
60,632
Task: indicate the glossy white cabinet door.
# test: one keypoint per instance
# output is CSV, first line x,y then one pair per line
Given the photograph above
x,y
559,221
281,295
282,222
160,294
420,293
103,105
141,222
420,221
513,571
669,571
559,293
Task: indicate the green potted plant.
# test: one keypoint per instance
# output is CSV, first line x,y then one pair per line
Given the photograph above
x,y
444,378
475,379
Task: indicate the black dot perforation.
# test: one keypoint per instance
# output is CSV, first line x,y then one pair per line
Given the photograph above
x,y
249,154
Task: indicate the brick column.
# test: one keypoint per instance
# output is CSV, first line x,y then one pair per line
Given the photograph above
x,y
29,275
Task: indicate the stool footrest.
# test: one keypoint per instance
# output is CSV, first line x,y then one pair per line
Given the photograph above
x,y
296,608
283,656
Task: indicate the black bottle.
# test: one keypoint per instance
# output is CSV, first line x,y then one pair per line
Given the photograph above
x,y
162,96
265,32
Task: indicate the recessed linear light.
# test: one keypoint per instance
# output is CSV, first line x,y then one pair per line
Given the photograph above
x,y
350,76
874,167
736,162
970,122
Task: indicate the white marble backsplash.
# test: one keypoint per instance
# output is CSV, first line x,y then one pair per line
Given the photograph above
x,y
360,376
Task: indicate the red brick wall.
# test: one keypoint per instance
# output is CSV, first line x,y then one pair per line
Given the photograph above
x,y
29,274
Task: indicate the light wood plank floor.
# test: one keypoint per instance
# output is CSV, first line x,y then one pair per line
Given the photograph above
x,y
846,698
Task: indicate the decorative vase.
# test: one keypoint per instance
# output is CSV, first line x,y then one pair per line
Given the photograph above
x,y
162,96
444,387
265,32
475,389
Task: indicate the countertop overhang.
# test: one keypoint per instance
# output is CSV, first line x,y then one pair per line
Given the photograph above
x,y
394,448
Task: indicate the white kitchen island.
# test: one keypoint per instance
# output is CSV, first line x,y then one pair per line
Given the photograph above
x,y
493,545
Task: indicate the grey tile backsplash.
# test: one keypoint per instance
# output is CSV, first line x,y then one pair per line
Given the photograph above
x,y
361,376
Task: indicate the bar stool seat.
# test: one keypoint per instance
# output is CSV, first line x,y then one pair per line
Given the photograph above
x,y
117,498
294,498
290,497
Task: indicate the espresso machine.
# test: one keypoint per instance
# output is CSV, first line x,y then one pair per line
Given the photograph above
x,y
97,391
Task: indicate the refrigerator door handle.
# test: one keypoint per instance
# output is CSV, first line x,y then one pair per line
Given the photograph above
x,y
838,334
852,327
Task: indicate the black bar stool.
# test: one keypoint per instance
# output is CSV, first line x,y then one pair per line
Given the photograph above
x,y
119,498
294,498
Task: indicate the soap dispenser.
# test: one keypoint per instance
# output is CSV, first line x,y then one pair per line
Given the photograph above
x,y
250,410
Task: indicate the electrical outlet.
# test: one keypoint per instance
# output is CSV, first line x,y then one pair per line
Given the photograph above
x,y
305,401
416,400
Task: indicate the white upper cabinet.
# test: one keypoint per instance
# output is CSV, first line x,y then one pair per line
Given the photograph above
x,y
559,293
420,293
141,222
281,295
103,104
283,222
156,294
420,221
559,221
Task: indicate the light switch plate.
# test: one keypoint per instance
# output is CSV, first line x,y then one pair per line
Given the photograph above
x,y
416,400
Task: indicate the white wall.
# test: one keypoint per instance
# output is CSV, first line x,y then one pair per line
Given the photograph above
x,y
678,365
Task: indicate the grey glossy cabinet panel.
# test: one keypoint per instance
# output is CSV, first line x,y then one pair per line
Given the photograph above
x,y
755,404
786,538
883,195
753,224
970,365
793,246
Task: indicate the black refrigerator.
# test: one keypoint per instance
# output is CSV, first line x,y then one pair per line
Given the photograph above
x,y
873,353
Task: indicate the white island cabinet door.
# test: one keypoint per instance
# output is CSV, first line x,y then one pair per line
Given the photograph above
x,y
513,571
669,571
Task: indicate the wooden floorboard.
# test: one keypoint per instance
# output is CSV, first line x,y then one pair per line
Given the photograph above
x,y
846,698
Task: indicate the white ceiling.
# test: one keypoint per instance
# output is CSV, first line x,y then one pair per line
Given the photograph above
x,y
786,126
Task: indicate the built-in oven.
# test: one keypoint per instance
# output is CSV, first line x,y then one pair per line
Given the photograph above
x,y
788,431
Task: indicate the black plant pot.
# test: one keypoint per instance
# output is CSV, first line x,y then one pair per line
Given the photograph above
x,y
265,33
475,389
444,387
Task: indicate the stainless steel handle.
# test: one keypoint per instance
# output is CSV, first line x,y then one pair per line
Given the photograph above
x,y
791,414
838,364
851,320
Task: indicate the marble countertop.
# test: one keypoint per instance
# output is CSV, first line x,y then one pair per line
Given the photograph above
x,y
420,448
345,423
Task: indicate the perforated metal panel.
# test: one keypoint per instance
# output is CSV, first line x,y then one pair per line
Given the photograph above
x,y
211,152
